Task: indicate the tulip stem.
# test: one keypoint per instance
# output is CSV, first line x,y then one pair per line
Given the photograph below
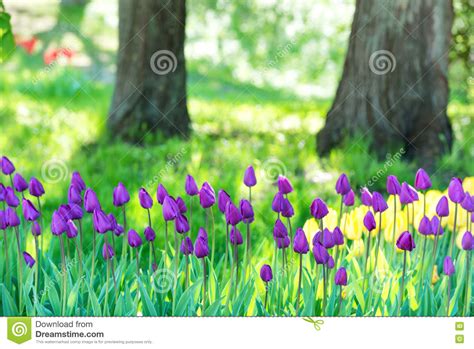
x,y
20,271
226,249
63,268
340,299
340,212
367,254
138,262
236,261
248,245
166,242
266,296
176,258
467,300
394,226
299,285
448,296
422,262
403,283
379,237
80,233
37,263
323,310
186,272
7,267
213,235
203,285
106,289
124,243
451,247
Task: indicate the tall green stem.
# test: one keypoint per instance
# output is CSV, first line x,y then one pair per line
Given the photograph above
x,y
299,285
451,246
403,283
19,271
64,276
467,300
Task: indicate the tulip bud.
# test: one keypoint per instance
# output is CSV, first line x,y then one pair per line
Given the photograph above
x,y
190,186
36,188
425,226
120,195
442,208
91,203
29,260
77,181
340,278
74,195
405,242
320,254
19,183
422,180
246,210
467,242
145,199
201,247
319,209
134,240
300,243
249,177
369,221
10,197
222,200
448,266
348,199
266,273
11,217
235,236
29,211
207,197
366,197
279,230
149,234
7,166
58,224
181,224
455,190
342,185
284,185
107,252
35,229
161,194
393,186
378,202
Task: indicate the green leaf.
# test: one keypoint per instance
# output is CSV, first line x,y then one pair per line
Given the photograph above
x,y
94,302
7,42
149,309
9,307
186,300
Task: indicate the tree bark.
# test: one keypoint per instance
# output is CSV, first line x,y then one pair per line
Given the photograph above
x,y
394,87
150,87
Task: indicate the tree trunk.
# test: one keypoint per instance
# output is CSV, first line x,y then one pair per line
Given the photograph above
x,y
394,87
150,88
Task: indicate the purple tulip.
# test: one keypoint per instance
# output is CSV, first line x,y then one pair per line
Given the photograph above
x,y
36,188
170,209
330,263
120,195
365,197
277,203
249,177
405,242
134,240
467,242
422,180
29,260
283,243
71,231
145,199
74,195
161,194
201,247
284,185
29,211
266,273
58,224
320,253
405,195
340,278
190,186
2,192
77,181
442,208
448,266
287,209
369,221
3,220
393,185
10,198
348,199
207,197
181,205
35,229
7,166
11,217
279,230
75,211
222,200
181,224
187,246
425,226
338,237
327,239
436,227
319,209
202,233
455,190
342,185
468,202
19,183
246,210
232,213
107,252
149,234
101,222
91,203
413,193
235,236
300,243
378,202
118,230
